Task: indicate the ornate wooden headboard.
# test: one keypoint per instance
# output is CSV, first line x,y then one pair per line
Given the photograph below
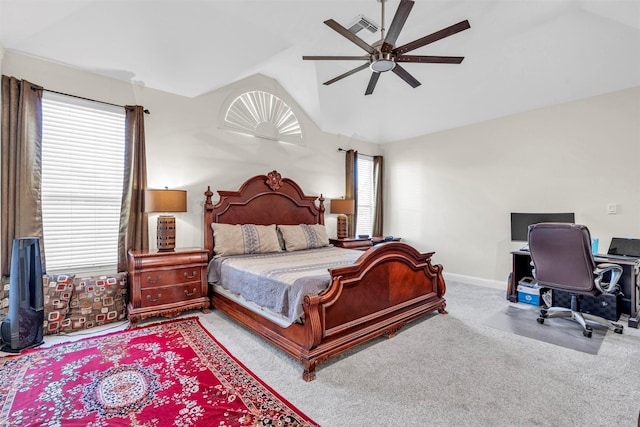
x,y
263,200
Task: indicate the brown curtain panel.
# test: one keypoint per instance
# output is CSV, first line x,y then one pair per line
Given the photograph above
x,y
134,228
351,189
378,209
21,165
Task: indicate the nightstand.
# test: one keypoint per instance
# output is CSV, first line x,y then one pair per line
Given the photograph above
x,y
165,283
359,244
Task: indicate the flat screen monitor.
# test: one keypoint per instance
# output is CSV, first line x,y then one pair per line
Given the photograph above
x,y
520,222
624,246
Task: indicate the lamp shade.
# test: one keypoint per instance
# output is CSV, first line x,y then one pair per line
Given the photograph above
x,y
342,206
165,200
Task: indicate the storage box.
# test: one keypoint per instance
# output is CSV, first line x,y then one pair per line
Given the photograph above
x,y
529,294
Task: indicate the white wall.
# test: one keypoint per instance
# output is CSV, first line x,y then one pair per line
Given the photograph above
x,y
453,191
187,150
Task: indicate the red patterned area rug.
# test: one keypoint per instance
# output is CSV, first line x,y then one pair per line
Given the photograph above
x,y
168,374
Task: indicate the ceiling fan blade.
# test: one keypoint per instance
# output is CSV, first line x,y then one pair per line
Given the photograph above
x,y
338,58
438,35
404,75
347,74
402,13
349,35
430,59
372,83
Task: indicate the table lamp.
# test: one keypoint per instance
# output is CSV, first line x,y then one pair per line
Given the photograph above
x,y
165,201
343,207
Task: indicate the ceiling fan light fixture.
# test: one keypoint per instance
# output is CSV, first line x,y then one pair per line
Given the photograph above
x,y
382,65
381,62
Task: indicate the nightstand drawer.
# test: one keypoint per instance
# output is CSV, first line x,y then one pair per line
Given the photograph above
x,y
170,294
156,278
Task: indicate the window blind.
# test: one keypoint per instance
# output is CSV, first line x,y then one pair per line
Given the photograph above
x,y
82,178
364,223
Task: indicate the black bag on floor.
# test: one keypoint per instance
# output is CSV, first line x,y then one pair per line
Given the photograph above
x,y
608,306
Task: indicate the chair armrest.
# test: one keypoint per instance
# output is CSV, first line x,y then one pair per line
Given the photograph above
x,y
616,273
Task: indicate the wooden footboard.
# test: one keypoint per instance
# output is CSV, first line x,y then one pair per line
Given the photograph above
x,y
390,285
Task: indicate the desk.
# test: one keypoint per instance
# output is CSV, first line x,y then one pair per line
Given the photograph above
x,y
629,282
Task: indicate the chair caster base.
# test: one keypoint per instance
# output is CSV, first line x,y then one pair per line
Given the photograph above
x,y
587,333
540,320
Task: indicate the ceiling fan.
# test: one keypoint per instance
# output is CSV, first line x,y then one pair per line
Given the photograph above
x,y
384,56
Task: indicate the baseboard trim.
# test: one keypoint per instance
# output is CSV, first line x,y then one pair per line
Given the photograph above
x,y
495,284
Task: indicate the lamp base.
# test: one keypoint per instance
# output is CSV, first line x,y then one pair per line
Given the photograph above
x,y
342,227
166,238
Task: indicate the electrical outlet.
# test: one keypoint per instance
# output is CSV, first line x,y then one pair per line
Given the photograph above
x,y
612,208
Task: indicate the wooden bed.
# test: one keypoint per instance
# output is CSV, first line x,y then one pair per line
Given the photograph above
x,y
388,286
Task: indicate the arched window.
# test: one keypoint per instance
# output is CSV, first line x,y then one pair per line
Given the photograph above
x,y
264,115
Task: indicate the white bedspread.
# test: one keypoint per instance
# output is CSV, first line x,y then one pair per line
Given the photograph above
x,y
279,281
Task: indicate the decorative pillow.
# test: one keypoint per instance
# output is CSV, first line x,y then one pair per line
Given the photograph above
x,y
57,295
97,301
304,236
244,239
4,296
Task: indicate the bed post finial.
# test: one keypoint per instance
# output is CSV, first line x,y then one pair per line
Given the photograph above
x,y
321,207
208,195
274,180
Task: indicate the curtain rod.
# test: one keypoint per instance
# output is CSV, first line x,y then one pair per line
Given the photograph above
x,y
364,154
82,97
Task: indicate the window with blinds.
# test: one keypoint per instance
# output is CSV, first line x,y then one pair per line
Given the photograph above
x,y
366,197
82,178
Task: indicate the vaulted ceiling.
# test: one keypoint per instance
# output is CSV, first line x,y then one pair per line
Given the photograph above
x,y
519,55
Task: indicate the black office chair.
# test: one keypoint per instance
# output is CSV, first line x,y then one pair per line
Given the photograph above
x,y
562,259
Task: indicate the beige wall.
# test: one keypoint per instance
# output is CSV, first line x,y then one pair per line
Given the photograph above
x,y
187,150
453,191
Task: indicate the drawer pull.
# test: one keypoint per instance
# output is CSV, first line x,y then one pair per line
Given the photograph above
x,y
190,294
190,276
152,281
152,299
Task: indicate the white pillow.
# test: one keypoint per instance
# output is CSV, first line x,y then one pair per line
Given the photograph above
x,y
304,236
242,239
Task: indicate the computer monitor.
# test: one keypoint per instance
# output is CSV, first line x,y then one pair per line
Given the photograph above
x,y
520,222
